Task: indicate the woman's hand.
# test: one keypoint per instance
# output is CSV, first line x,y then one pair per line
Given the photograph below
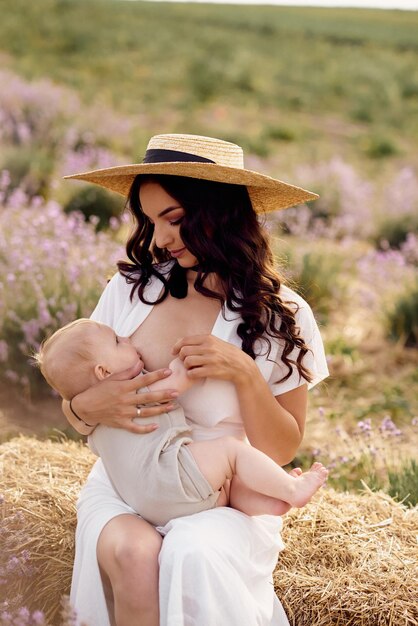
x,y
114,401
208,356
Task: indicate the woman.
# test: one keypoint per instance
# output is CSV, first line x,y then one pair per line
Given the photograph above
x,y
200,283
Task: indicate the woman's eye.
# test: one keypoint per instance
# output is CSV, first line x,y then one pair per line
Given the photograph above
x,y
176,222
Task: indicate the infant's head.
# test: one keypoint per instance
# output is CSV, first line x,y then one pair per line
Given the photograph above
x,y
78,355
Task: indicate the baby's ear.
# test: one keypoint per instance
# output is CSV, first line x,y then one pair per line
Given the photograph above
x,y
101,372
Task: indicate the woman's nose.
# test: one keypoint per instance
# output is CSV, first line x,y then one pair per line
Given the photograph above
x,y
163,236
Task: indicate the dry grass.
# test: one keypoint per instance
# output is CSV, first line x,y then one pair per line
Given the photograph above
x,y
40,481
350,560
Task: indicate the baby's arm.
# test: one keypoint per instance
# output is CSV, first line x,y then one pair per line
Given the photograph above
x,y
178,380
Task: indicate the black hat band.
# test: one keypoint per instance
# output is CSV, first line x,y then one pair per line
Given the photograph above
x,y
166,156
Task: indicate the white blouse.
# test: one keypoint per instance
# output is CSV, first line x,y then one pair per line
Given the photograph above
x,y
211,406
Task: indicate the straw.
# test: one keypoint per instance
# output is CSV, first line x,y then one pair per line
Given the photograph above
x,y
226,166
350,559
40,482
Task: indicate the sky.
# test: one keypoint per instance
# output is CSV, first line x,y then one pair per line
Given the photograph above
x,y
374,4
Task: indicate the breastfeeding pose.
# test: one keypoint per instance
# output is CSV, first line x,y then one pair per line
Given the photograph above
x,y
164,474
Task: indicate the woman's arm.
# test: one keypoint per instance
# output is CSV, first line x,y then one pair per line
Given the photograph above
x,y
80,427
273,425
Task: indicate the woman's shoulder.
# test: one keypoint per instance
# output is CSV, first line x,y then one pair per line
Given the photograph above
x,y
304,316
290,296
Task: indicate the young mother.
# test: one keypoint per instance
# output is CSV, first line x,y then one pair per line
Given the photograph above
x,y
200,283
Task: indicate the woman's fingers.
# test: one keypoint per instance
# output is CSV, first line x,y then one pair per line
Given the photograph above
x,y
133,427
190,362
153,411
144,380
187,351
113,402
191,340
132,372
130,419
200,372
151,397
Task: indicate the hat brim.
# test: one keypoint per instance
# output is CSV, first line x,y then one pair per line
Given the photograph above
x,y
266,193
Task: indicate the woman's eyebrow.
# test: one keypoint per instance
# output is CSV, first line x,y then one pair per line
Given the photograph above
x,y
168,209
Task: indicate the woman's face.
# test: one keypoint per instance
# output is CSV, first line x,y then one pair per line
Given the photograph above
x,y
166,214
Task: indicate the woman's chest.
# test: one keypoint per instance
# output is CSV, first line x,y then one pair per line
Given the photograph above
x,y
170,321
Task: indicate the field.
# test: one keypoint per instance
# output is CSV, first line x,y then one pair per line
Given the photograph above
x,y
323,98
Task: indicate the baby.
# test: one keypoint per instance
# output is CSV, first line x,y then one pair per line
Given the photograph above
x,y
165,474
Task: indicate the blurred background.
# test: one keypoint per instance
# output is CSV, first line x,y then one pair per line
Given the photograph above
x,y
326,98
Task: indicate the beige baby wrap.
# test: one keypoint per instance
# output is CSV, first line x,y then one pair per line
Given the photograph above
x,y
155,473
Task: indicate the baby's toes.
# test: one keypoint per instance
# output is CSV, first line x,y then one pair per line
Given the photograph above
x,y
316,467
323,472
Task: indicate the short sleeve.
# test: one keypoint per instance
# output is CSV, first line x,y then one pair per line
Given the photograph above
x,y
314,359
110,304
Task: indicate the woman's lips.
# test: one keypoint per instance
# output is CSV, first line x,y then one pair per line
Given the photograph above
x,y
177,253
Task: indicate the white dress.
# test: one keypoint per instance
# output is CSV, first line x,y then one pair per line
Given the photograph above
x,y
215,566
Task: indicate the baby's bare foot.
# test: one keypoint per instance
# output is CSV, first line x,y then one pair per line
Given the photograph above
x,y
307,484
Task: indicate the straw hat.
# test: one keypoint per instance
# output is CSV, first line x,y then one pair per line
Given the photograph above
x,y
201,157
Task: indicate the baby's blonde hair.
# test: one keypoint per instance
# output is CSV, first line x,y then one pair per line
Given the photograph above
x,y
66,358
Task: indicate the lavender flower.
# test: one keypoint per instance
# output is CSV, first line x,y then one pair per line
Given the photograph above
x,y
38,618
364,427
344,208
409,249
400,196
384,275
54,273
389,428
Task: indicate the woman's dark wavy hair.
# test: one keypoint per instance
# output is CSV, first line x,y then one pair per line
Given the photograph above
x,y
221,229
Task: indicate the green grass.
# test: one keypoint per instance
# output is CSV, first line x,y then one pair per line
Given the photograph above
x,y
176,61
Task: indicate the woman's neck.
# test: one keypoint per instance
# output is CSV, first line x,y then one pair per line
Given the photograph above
x,y
211,282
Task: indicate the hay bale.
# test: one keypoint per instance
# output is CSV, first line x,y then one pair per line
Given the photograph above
x,y
350,560
39,483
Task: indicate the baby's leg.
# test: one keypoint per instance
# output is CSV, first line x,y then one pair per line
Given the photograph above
x,y
220,459
252,502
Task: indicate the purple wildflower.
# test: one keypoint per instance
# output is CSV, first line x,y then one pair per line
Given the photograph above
x,y
365,427
389,428
38,618
25,555
13,563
